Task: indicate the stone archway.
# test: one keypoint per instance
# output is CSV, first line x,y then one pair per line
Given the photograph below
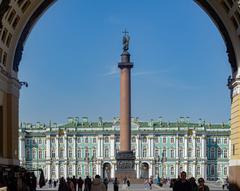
x,y
144,170
17,17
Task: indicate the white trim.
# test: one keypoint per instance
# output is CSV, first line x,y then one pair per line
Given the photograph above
x,y
234,162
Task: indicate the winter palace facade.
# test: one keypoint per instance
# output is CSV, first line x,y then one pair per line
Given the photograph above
x,y
80,148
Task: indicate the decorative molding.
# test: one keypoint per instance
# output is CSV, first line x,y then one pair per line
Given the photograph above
x,y
4,6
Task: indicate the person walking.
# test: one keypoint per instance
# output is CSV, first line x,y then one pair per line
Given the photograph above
x,y
87,184
202,186
194,186
62,185
115,184
105,182
128,184
182,184
80,184
97,184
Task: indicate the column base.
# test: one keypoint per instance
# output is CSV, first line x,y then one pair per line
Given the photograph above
x,y
125,165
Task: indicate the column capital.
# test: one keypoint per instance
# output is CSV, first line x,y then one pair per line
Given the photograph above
x,y
234,86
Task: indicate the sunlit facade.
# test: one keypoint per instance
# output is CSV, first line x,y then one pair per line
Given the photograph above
x,y
81,148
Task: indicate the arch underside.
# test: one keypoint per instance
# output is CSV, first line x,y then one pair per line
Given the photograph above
x,y
224,13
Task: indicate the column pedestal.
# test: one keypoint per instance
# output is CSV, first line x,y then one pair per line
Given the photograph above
x,y
125,165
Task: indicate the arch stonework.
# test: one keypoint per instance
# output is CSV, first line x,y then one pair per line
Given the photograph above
x,y
17,17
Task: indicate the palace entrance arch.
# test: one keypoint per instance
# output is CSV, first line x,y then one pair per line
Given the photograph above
x,y
17,17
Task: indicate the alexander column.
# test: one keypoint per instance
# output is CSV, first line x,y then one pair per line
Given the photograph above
x,y
125,157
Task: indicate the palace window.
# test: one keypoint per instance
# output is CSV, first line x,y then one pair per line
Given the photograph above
x,y
218,140
70,140
181,139
27,154
164,140
181,153
172,140
198,140
79,171
190,152
53,153
41,154
198,170
53,171
61,153
61,140
144,139
61,171
164,171
106,152
79,153
190,139
225,141
144,152
164,153
225,171
94,140
106,139
34,156
52,140
156,153
219,152
117,139
40,141
79,140
212,171
189,170
212,153
86,153
180,169
70,152
86,140
70,171
198,152
225,153
172,170
172,153
94,153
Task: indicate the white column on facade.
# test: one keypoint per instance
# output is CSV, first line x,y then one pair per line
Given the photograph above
x,y
137,170
177,146
204,147
48,147
150,170
48,166
138,149
152,146
113,170
57,170
74,148
22,149
112,146
57,147
185,146
149,146
194,169
137,146
65,143
194,144
65,170
98,147
176,169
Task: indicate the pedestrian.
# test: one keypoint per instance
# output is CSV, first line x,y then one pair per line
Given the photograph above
x,y
146,184
194,186
182,184
70,185
105,182
54,183
80,183
97,184
62,185
74,180
87,184
115,184
202,186
124,186
128,184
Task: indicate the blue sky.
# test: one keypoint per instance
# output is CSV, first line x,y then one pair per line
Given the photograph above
x,y
70,62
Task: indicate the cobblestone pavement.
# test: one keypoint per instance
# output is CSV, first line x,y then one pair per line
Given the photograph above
x,y
140,187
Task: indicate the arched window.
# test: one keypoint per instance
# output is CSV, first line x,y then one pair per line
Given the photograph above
x,y
164,140
189,152
106,139
225,171
172,153
164,171
212,171
212,153
189,170
198,170
198,152
156,153
70,139
172,139
86,152
79,153
70,171
27,154
219,152
225,153
94,153
106,152
86,140
181,153
164,153
79,171
34,154
172,170
180,169
144,152
53,171
61,153
144,139
53,153
40,154
61,171
70,152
